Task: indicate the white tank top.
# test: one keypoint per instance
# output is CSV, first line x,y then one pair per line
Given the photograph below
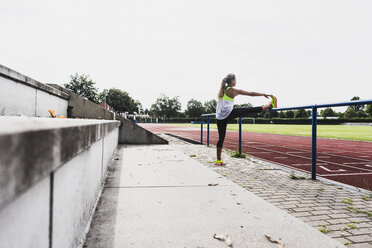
x,y
224,106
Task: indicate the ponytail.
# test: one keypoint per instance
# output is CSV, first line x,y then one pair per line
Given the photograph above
x,y
225,82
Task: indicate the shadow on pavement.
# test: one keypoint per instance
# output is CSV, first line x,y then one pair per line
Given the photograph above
x,y
102,229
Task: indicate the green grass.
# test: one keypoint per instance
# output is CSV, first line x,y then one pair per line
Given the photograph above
x,y
367,197
361,133
347,200
358,210
351,226
238,155
323,229
294,177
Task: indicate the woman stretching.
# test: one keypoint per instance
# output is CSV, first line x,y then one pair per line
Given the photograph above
x,y
226,112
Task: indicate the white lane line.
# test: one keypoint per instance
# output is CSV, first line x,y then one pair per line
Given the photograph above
x,y
346,174
310,164
334,150
299,156
329,170
355,163
280,157
324,153
259,152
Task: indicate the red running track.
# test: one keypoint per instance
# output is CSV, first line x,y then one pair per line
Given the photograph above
x,y
344,161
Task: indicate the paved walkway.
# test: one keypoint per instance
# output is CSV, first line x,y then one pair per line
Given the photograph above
x,y
345,161
157,196
344,213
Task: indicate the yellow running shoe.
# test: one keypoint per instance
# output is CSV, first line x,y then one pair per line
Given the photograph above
x,y
274,102
220,162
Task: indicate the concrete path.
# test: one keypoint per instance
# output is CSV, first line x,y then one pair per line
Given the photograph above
x,y
342,210
156,196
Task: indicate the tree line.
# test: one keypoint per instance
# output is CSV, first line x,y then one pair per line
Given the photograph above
x,y
118,99
164,107
170,107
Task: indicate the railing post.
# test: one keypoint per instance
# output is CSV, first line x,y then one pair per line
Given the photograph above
x,y
313,149
240,135
201,133
208,131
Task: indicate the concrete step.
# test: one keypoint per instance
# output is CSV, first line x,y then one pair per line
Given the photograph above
x,y
22,95
51,175
156,196
33,147
131,133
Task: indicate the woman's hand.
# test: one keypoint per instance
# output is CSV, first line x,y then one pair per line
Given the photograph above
x,y
267,96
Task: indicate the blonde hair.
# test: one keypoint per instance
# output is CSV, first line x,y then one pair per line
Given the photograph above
x,y
225,82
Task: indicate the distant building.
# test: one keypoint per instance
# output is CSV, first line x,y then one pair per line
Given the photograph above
x,y
106,106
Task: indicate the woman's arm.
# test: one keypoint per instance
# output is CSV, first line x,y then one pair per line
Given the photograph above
x,y
236,92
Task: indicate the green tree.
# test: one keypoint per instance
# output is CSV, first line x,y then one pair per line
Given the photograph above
x,y
139,107
267,115
148,112
181,115
102,95
327,112
166,107
246,105
282,114
300,113
369,110
120,100
194,108
350,113
357,107
361,114
271,114
289,114
83,86
210,106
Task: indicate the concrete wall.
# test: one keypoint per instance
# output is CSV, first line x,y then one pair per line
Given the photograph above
x,y
21,95
25,222
131,133
49,186
79,107
84,176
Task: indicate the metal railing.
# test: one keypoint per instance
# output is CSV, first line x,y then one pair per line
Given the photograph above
x,y
314,124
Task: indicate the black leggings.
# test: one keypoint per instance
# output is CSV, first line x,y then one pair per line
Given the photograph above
x,y
235,113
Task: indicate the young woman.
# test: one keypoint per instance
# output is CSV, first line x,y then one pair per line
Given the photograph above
x,y
226,112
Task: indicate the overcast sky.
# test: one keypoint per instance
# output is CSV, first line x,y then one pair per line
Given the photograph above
x,y
303,52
